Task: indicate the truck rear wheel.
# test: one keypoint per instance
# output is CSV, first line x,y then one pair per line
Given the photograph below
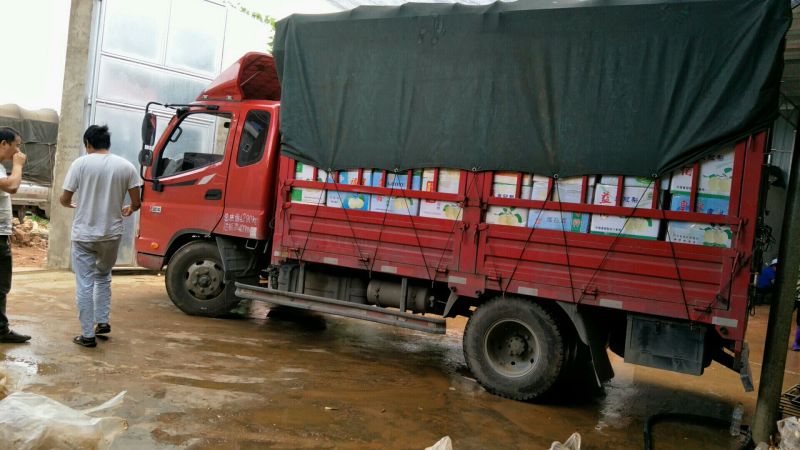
x,y
514,348
195,281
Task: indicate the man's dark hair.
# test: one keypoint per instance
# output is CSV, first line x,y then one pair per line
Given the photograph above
x,y
8,134
97,136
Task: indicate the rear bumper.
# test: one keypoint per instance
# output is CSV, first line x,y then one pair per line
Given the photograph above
x,y
148,261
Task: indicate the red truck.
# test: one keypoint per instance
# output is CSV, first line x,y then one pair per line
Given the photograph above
x,y
233,217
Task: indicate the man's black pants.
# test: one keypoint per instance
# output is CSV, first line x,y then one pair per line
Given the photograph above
x,y
5,281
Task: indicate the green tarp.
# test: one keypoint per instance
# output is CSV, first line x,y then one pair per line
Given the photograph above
x,y
39,131
568,88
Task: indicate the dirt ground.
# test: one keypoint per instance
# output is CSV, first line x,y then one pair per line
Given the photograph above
x,y
29,244
302,382
29,257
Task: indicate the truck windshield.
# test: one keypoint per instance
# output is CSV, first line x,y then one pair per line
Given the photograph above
x,y
198,140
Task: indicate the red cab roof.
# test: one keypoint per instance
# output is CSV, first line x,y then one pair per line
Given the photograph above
x,y
252,77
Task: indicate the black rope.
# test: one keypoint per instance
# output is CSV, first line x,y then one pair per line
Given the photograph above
x,y
416,235
313,218
352,231
611,247
677,269
383,224
503,290
564,234
455,222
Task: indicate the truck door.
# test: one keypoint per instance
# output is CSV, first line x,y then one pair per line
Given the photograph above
x,y
250,196
190,174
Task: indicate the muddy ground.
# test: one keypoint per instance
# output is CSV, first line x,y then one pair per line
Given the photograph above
x,y
311,382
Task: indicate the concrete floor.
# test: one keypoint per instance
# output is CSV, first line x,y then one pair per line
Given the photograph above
x,y
314,382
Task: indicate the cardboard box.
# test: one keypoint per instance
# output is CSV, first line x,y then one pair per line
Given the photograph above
x,y
305,172
567,193
539,190
308,196
591,180
632,197
699,234
351,177
394,205
706,204
716,173
633,227
348,200
628,181
504,185
397,180
440,210
448,183
559,221
507,215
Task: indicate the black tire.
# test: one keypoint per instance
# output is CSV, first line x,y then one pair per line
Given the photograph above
x,y
514,348
195,281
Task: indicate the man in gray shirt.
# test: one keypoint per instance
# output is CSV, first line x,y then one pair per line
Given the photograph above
x,y
100,181
10,141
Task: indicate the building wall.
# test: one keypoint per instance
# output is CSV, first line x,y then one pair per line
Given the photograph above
x,y
164,51
783,136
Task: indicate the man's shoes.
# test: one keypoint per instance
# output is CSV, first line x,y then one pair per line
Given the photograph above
x,y
13,338
84,341
102,328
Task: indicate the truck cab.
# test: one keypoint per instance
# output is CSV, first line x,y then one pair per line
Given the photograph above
x,y
210,176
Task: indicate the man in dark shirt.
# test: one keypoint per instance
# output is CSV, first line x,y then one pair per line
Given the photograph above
x,y
766,282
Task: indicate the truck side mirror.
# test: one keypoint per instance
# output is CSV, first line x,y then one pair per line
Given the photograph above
x,y
148,129
148,139
145,157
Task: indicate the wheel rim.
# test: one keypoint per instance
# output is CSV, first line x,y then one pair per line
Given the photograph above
x,y
204,279
511,348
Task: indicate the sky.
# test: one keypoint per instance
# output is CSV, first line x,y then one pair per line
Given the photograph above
x,y
34,36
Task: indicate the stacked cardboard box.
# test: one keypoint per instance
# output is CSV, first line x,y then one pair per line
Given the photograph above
x,y
305,172
396,205
504,185
636,193
351,200
448,182
565,190
713,197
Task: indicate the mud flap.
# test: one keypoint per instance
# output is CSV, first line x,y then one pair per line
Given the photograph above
x,y
745,372
665,344
237,261
596,338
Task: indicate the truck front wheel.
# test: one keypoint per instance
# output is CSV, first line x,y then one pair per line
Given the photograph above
x,y
514,348
195,281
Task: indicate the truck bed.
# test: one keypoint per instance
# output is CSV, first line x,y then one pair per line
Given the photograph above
x,y
692,282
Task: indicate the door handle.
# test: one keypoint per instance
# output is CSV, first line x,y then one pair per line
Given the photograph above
x,y
214,194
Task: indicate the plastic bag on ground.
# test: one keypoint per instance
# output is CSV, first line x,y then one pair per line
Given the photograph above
x,y
444,444
31,421
573,443
789,429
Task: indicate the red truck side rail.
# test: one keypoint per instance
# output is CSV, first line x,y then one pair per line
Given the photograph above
x,y
707,285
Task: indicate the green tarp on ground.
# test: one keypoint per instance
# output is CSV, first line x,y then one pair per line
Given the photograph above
x,y
568,88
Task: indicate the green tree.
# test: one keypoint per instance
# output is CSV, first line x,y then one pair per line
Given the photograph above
x,y
264,18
